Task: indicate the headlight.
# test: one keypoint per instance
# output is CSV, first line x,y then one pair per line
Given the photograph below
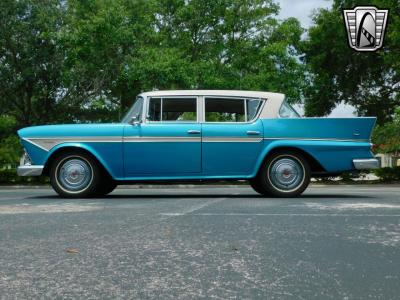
x,y
25,159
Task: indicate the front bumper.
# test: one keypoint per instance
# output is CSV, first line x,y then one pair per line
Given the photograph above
x,y
366,164
27,168
30,170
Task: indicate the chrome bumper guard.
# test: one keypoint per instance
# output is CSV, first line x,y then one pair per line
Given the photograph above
x,y
366,164
30,170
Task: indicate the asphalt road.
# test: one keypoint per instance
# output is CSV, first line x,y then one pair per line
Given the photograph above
x,y
340,242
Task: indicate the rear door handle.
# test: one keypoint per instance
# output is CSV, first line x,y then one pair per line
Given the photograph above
x,y
252,132
192,131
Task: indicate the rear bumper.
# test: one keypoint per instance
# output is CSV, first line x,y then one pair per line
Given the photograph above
x,y
30,170
366,164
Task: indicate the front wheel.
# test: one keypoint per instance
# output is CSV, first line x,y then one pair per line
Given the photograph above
x,y
75,175
284,174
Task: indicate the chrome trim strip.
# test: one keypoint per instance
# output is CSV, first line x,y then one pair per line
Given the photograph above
x,y
46,143
35,144
218,139
317,139
162,139
366,164
79,138
30,170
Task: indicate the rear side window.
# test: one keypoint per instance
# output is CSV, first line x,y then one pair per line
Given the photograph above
x,y
253,107
287,111
172,109
231,110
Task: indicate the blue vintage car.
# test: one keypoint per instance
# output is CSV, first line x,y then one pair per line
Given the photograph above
x,y
198,135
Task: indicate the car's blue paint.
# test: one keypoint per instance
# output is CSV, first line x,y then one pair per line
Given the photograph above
x,y
230,158
334,143
149,159
334,156
335,128
108,154
73,130
37,155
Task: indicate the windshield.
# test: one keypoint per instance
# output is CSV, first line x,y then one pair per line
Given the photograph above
x,y
135,111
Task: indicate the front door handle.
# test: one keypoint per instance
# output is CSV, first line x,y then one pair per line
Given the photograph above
x,y
192,131
252,132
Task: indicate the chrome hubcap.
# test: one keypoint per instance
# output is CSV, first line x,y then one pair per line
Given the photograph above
x,y
286,174
75,174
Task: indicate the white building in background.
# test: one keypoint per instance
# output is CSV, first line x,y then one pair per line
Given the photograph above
x,y
388,160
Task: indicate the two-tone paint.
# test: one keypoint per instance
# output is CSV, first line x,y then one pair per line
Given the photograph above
x,y
204,150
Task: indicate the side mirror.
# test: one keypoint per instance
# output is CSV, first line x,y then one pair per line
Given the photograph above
x,y
135,121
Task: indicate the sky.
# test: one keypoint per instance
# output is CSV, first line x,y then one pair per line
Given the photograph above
x,y
302,10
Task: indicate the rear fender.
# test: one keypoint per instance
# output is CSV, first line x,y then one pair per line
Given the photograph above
x,y
333,156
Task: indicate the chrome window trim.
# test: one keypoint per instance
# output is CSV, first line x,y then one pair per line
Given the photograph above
x,y
280,107
134,102
147,106
263,101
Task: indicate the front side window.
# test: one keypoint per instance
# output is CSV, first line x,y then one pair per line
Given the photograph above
x,y
135,111
172,109
231,110
287,111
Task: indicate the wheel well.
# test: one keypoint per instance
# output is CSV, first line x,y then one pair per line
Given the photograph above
x,y
63,150
315,166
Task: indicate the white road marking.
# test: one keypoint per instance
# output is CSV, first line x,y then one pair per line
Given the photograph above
x,y
45,208
278,214
347,206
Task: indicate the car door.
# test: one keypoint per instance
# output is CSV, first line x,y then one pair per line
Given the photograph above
x,y
232,135
168,142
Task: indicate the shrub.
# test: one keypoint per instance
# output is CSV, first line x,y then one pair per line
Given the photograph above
x,y
9,176
388,174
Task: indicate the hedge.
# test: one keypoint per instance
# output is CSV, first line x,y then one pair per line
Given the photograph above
x,y
9,176
388,174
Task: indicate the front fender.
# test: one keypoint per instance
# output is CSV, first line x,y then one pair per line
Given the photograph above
x,y
114,170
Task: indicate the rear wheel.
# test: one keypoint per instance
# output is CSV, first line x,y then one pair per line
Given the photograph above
x,y
75,175
284,174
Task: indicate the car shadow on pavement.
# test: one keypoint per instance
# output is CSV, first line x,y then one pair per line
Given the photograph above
x,y
204,196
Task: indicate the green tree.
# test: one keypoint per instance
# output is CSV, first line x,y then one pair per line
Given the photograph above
x,y
387,137
30,60
369,81
228,44
8,141
81,61
100,38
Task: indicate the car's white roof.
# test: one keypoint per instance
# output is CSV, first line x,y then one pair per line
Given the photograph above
x,y
231,93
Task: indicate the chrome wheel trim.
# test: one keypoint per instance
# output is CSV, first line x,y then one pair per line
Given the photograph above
x,y
286,173
74,174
